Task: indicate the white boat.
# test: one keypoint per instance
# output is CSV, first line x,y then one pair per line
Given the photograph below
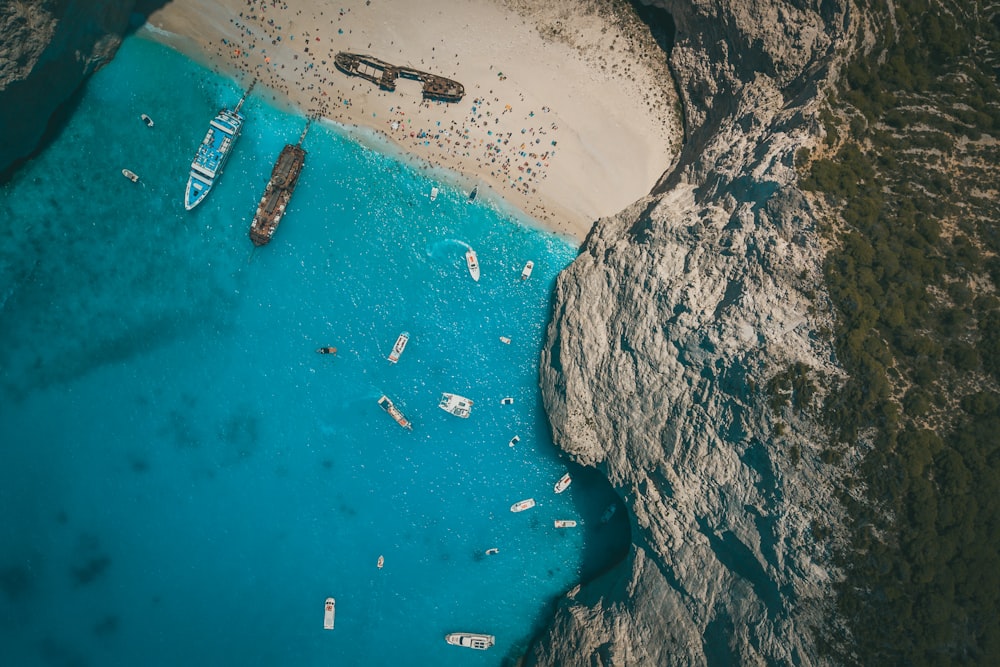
x,y
471,640
147,120
563,483
400,345
381,562
564,523
394,412
526,271
505,340
513,441
331,610
473,262
522,505
493,551
456,405
130,175
506,401
474,193
434,193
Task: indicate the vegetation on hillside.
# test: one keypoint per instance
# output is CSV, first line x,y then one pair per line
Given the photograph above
x,y
910,168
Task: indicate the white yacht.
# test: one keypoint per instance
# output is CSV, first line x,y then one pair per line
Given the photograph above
x,y
563,483
400,345
471,640
526,272
473,262
331,610
456,405
522,505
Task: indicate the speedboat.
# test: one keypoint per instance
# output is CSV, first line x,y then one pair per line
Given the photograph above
x,y
394,412
564,523
563,483
381,562
471,640
505,340
473,262
492,552
130,175
506,401
456,405
522,505
331,610
526,271
398,348
513,441
147,120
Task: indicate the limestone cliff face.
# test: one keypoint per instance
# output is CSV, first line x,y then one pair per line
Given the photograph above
x,y
666,330
47,49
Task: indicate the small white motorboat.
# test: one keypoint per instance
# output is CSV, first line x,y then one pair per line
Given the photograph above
x,y
526,271
563,483
522,505
473,262
492,552
434,193
400,345
381,562
130,175
456,405
506,401
470,640
564,523
513,441
505,340
147,120
331,610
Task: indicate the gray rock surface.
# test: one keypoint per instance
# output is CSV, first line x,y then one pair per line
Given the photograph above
x,y
666,330
47,49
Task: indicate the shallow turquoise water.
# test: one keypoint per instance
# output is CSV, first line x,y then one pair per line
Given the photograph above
x,y
182,478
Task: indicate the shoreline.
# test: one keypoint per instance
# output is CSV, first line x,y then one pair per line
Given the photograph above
x,y
565,144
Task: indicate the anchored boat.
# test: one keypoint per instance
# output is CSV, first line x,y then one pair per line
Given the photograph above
x,y
277,194
330,612
522,505
213,153
394,412
400,345
456,405
471,640
564,523
563,483
526,271
130,175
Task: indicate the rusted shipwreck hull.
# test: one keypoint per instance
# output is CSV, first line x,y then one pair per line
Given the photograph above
x,y
384,75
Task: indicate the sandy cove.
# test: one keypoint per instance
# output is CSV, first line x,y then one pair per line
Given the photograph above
x,y
569,112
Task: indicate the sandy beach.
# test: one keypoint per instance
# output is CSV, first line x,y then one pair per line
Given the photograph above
x,y
569,112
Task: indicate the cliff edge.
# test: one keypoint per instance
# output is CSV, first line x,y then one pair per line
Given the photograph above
x,y
667,329
47,49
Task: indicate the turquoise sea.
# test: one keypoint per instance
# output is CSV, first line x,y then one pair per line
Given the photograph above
x,y
183,480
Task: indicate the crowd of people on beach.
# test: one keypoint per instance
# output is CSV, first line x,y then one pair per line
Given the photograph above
x,y
291,54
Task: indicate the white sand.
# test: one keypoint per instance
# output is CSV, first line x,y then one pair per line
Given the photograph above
x,y
569,125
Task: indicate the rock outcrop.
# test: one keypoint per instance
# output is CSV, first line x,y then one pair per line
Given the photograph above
x,y
47,49
667,329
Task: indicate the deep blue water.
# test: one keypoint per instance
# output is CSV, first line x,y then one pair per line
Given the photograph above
x,y
183,480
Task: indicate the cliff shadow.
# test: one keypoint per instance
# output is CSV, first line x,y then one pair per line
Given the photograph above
x,y
23,94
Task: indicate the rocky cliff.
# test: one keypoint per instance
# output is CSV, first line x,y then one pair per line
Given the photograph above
x,y
47,49
666,330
